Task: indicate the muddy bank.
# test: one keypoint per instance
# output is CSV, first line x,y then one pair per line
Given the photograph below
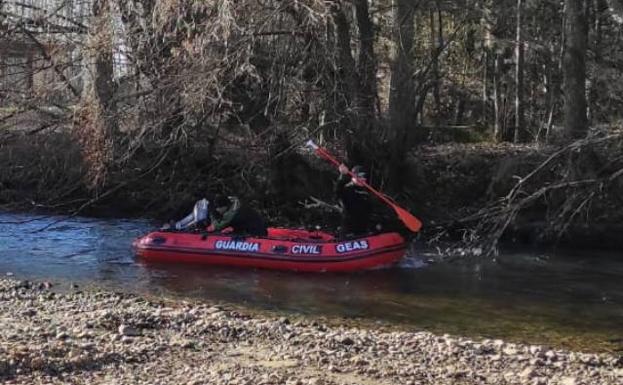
x,y
103,337
442,185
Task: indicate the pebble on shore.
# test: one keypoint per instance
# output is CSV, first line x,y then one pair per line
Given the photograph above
x,y
98,337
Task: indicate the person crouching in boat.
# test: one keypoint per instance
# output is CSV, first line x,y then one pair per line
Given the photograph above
x,y
355,202
242,219
198,219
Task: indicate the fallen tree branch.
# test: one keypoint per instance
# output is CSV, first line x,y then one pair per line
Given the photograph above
x,y
564,182
317,203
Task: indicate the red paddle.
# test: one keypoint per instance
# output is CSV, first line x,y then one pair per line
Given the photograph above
x,y
410,221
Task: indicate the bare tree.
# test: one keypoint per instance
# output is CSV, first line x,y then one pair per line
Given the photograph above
x,y
520,123
357,76
495,51
95,120
367,62
402,92
437,43
574,69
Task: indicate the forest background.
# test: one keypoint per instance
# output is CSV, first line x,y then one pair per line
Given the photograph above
x,y
486,119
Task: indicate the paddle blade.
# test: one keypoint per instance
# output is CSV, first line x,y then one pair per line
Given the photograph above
x,y
411,222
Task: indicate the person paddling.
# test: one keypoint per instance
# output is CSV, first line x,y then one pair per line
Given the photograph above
x,y
408,219
355,201
229,212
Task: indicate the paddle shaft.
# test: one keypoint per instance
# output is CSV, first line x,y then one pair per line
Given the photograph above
x,y
323,153
407,218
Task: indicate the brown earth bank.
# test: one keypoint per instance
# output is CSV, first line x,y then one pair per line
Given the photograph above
x,y
443,185
50,336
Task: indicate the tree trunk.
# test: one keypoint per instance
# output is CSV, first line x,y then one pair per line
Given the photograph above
x,y
436,36
599,15
497,99
557,75
493,55
358,79
99,68
402,87
96,118
347,74
333,104
367,62
550,101
366,86
574,69
520,124
485,87
459,111
346,62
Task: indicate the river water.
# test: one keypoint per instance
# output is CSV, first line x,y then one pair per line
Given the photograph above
x,y
570,299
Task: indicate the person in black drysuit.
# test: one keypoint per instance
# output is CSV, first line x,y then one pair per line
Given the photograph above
x,y
355,202
230,213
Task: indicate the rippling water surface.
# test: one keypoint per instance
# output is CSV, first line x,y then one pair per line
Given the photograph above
x,y
568,299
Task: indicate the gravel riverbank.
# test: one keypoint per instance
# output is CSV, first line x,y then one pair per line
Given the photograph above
x,y
99,337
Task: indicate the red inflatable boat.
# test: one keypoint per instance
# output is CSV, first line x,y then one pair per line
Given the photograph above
x,y
282,249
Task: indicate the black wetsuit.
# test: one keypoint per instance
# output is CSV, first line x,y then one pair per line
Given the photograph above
x,y
248,221
356,204
244,220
